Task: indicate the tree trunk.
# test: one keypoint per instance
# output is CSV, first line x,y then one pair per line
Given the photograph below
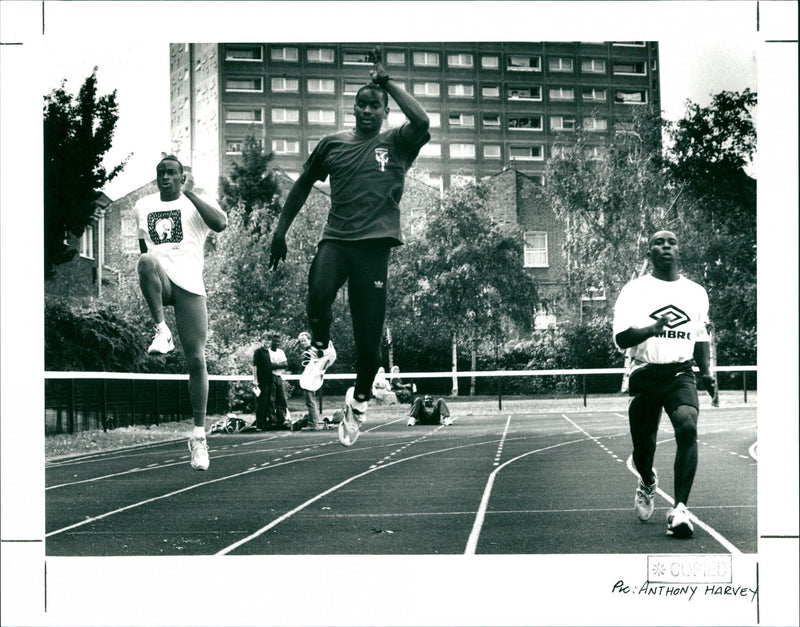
x,y
472,364
454,391
390,344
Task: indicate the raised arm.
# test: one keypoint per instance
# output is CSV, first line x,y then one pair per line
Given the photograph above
x,y
294,202
418,120
214,217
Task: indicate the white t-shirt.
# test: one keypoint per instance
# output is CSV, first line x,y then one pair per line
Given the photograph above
x,y
647,298
175,233
279,362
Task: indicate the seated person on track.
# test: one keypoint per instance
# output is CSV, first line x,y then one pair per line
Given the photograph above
x,y
425,411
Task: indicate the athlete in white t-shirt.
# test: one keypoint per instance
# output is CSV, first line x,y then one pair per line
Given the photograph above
x,y
173,226
661,318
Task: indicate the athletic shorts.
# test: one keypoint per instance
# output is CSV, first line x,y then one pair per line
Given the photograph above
x,y
671,384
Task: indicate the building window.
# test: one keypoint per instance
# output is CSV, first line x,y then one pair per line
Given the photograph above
x,y
284,53
351,87
426,89
285,147
595,124
518,63
234,146
630,97
431,149
429,59
535,252
463,120
524,93
636,68
241,83
356,57
244,53
321,116
395,58
630,44
87,242
490,62
593,66
285,84
130,235
526,153
349,119
491,120
396,118
562,123
286,116
562,93
312,143
492,151
527,123
560,64
460,90
490,91
459,60
462,151
594,94
244,116
319,55
435,119
320,86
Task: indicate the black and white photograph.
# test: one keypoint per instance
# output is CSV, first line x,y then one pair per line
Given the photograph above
x,y
399,313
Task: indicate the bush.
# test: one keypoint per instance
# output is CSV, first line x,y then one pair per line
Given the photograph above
x,y
91,339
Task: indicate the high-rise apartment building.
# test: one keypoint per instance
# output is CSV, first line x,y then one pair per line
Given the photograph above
x,y
492,105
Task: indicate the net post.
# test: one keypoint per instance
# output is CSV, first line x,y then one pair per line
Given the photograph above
x,y
584,389
499,394
744,384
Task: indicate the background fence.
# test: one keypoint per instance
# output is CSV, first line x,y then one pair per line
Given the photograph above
x,y
81,401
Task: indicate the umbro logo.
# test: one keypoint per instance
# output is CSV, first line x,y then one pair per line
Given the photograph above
x,y
378,285
675,316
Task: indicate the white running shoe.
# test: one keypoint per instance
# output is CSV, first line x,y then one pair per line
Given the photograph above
x,y
678,522
411,421
162,342
644,501
199,450
350,426
447,421
319,361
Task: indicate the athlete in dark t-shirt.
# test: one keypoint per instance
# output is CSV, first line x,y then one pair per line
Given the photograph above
x,y
367,171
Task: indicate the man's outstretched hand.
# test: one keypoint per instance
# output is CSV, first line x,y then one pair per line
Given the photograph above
x,y
277,251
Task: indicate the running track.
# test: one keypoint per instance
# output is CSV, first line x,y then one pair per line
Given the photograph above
x,y
496,481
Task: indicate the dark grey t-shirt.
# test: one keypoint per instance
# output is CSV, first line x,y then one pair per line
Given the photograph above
x,y
366,178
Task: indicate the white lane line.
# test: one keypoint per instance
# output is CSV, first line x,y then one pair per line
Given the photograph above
x,y
477,525
753,450
372,469
593,438
707,528
710,530
502,442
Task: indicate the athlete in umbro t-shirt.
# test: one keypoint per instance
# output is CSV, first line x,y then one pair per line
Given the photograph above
x,y
661,317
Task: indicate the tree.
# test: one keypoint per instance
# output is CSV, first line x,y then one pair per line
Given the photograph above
x,y
471,281
611,199
252,186
711,147
249,299
77,133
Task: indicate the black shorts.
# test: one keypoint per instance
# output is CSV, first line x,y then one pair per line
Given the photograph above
x,y
670,384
